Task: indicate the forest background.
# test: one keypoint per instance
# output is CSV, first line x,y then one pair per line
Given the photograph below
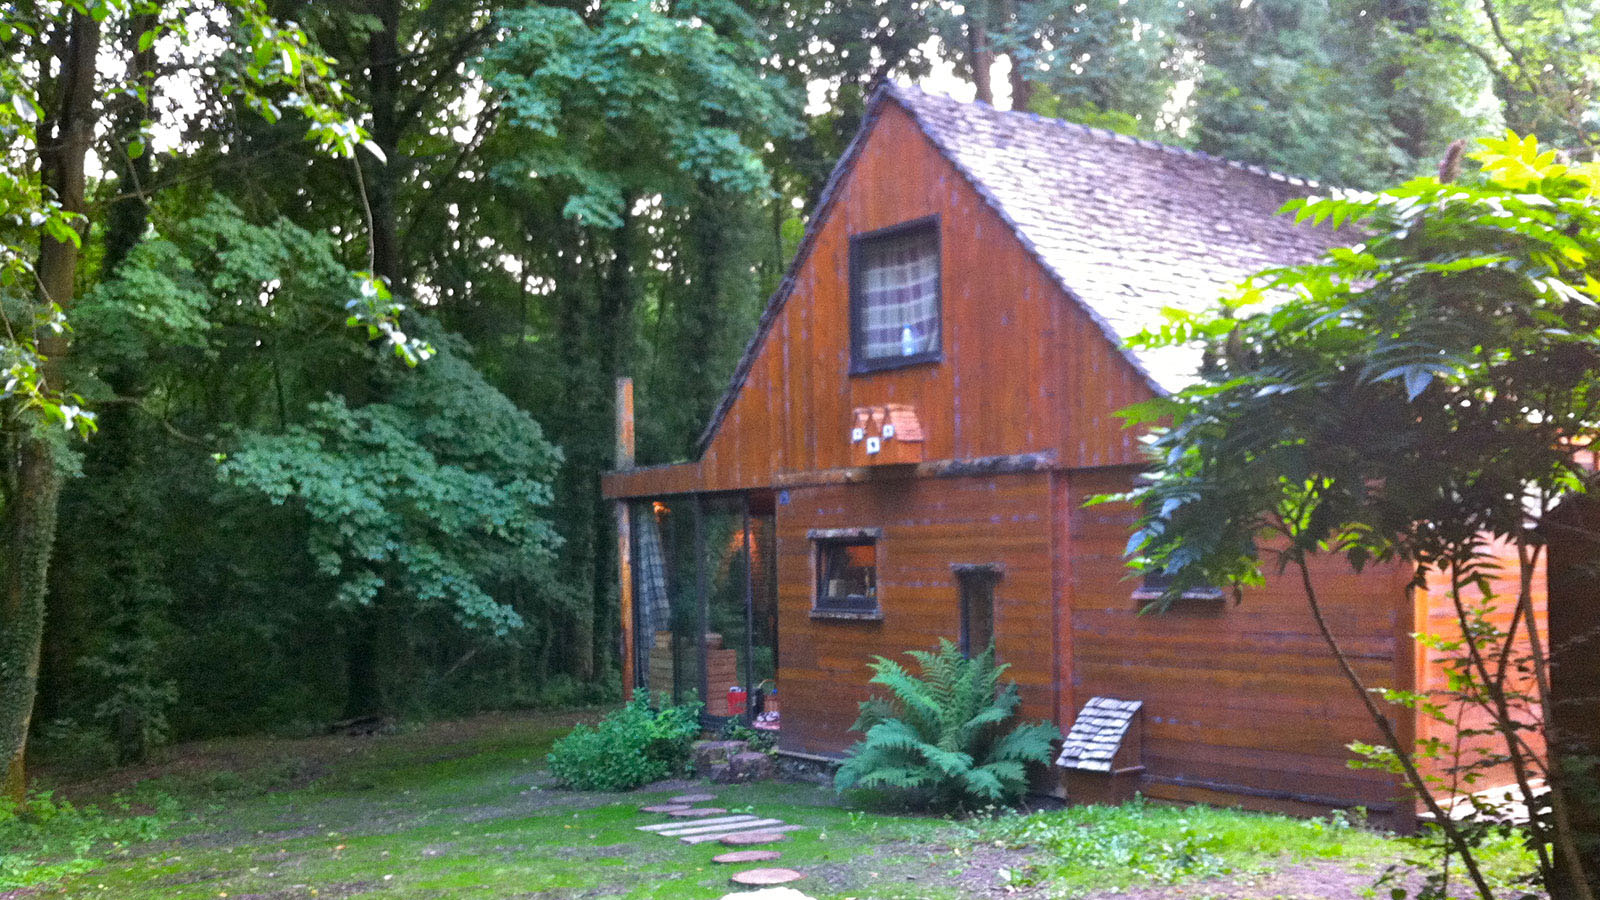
x,y
273,524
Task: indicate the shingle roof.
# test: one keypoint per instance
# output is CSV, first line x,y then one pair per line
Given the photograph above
x,y
1098,732
1127,226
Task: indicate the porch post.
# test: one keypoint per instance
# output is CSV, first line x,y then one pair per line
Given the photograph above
x,y
624,460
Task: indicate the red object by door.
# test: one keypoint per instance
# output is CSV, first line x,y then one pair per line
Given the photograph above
x,y
736,700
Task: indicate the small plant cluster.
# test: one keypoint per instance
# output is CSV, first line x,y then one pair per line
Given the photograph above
x,y
948,739
632,746
49,837
757,740
1086,849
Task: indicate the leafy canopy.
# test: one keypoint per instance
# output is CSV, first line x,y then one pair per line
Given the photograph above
x,y
1401,397
430,498
949,737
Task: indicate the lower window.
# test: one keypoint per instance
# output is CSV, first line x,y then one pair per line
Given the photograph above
x,y
847,574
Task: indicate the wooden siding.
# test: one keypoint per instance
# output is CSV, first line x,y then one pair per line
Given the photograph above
x,y
1235,695
651,481
928,525
1024,370
1434,667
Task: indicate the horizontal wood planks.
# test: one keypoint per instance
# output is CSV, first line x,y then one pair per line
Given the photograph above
x,y
1441,621
1245,695
651,481
1024,369
928,525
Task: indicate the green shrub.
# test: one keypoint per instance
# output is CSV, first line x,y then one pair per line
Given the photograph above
x,y
51,837
948,739
632,746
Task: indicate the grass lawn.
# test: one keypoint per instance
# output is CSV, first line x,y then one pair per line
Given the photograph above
x,y
462,809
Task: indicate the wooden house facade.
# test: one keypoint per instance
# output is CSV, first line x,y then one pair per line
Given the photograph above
x,y
907,445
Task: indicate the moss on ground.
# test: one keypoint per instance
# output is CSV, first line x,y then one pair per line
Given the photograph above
x,y
462,810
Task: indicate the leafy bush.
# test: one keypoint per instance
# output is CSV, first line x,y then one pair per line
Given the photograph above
x,y
51,837
947,739
632,746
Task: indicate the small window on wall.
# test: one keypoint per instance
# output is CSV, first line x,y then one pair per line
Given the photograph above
x,y
1156,583
976,584
847,574
894,296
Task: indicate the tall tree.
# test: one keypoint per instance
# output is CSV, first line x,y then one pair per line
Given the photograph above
x,y
614,123
52,69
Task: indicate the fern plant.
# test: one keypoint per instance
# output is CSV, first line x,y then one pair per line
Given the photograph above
x,y
948,737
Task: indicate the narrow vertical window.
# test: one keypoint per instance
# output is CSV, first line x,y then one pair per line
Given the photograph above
x,y
976,585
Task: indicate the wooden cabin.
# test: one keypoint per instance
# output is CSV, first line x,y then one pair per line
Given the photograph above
x,y
908,442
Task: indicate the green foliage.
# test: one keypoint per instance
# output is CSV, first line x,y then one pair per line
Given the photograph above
x,y
50,837
1405,395
947,738
1411,398
759,740
631,746
427,499
678,87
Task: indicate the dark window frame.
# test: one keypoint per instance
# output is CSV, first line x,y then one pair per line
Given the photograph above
x,y
823,607
859,243
1154,584
985,577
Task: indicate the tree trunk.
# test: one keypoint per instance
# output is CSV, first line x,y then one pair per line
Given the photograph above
x,y
28,521
1021,87
29,529
363,691
383,60
982,57
127,215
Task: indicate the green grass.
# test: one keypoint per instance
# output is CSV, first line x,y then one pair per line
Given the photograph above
x,y
463,810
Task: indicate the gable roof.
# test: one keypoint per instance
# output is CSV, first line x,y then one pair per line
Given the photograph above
x,y
1125,226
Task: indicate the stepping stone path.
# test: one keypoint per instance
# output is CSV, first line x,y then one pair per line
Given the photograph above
x,y
744,856
764,836
699,824
695,812
770,893
766,877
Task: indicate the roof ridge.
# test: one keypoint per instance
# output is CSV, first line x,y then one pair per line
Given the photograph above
x,y
1106,134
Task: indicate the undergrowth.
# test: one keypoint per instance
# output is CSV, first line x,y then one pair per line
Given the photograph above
x,y
50,837
1094,847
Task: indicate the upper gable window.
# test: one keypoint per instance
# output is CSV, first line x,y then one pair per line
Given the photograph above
x,y
894,296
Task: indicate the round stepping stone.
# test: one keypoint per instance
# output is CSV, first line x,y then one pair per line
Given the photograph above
x,y
692,798
751,838
664,808
696,813
764,877
744,856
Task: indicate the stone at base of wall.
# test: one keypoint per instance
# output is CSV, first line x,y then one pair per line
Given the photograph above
x,y
706,755
742,767
806,768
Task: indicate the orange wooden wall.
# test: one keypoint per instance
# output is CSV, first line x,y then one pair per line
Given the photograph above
x,y
1243,694
1433,666
1024,369
928,524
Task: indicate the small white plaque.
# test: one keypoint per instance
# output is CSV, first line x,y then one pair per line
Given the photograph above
x,y
874,445
857,434
888,430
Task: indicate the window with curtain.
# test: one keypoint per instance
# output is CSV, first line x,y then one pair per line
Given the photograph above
x,y
894,296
